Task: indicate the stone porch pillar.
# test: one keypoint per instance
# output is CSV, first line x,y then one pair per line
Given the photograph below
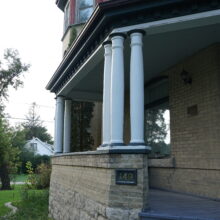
x,y
67,126
106,94
117,90
137,88
58,139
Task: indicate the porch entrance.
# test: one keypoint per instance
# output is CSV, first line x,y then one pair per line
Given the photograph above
x,y
176,206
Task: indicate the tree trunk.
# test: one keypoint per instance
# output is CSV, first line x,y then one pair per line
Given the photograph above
x,y
4,176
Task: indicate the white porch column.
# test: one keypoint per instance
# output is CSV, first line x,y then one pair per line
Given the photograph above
x,y
58,139
137,88
106,94
117,90
67,126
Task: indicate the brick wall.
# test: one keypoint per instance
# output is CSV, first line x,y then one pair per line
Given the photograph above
x,y
195,140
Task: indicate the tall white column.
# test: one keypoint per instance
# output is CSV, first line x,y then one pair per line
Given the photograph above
x,y
137,88
117,90
67,126
58,139
106,94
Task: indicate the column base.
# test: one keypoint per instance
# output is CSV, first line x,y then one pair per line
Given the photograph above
x,y
58,153
126,149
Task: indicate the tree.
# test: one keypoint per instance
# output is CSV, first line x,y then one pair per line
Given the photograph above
x,y
8,154
11,70
34,126
156,131
82,113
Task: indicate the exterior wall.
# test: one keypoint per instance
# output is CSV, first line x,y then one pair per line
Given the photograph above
x,y
83,187
67,36
194,139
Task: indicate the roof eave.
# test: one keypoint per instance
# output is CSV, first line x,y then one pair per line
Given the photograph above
x,y
61,4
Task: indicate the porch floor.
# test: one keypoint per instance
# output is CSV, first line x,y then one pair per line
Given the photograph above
x,y
169,205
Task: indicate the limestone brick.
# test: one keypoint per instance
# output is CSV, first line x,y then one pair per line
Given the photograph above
x,y
83,187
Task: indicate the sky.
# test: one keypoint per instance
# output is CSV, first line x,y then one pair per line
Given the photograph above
x,y
35,29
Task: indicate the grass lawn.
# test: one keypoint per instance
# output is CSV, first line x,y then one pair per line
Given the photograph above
x,y
31,204
8,196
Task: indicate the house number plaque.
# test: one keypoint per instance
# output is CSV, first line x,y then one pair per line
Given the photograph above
x,y
126,176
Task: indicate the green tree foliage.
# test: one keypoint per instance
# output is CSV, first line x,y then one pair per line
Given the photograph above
x,y
11,70
33,126
82,113
9,159
156,132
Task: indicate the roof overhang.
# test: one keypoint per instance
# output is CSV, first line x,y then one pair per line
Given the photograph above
x,y
109,17
61,4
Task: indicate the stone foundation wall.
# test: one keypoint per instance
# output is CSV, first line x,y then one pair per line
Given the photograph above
x,y
83,187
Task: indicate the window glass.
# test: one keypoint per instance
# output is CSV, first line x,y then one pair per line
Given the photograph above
x,y
85,3
85,8
34,146
84,14
66,16
157,130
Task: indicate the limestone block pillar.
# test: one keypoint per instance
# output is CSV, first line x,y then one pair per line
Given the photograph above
x,y
58,139
117,90
67,126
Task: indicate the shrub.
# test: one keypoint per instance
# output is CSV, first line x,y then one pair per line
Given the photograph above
x,y
32,178
41,178
33,158
43,173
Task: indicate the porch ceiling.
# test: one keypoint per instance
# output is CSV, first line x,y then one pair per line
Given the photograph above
x,y
162,48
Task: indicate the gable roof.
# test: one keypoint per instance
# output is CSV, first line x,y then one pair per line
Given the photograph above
x,y
44,144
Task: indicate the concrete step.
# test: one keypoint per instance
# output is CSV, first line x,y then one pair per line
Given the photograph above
x,y
150,216
165,205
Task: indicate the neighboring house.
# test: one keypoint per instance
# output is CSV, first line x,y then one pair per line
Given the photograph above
x,y
39,147
154,65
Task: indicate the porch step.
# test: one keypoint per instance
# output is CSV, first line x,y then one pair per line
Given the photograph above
x,y
148,216
166,205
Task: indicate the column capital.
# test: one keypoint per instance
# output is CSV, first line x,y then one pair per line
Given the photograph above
x,y
108,48
117,35
68,99
108,42
140,31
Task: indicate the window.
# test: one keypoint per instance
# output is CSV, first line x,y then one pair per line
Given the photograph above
x,y
157,119
66,16
34,147
85,9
